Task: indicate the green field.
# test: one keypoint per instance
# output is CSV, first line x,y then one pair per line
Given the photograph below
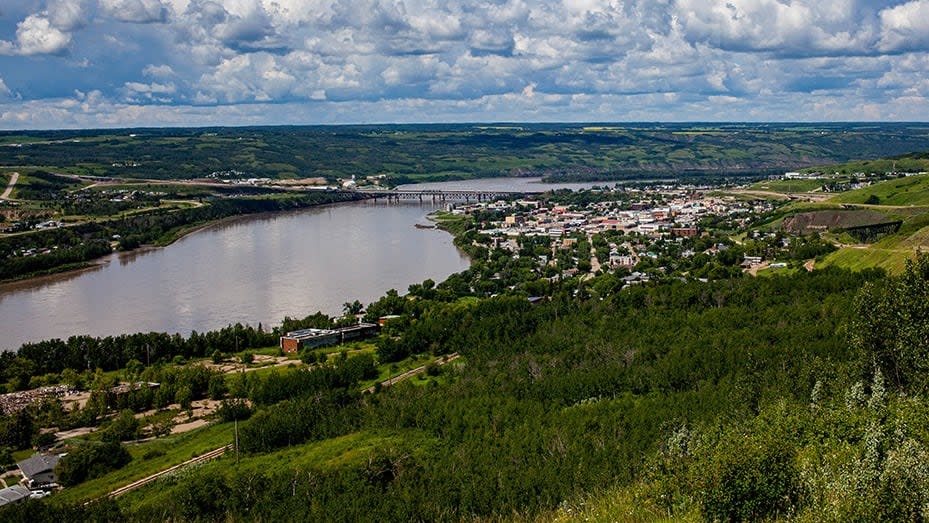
x,y
891,260
889,253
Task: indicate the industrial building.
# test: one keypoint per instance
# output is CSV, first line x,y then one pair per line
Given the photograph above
x,y
294,341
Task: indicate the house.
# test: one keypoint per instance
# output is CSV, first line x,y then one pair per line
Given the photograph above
x,y
39,469
13,494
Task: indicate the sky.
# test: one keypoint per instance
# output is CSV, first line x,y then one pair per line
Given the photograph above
x,y
134,63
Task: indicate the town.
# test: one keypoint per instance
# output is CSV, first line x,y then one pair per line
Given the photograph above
x,y
641,234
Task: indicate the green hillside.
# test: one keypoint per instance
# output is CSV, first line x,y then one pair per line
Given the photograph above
x,y
787,186
910,191
567,152
905,199
917,162
555,402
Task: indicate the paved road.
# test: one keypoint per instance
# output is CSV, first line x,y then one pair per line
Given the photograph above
x,y
9,187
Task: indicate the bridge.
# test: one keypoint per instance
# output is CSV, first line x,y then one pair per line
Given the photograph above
x,y
441,196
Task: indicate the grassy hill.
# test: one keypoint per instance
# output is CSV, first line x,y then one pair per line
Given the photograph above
x,y
906,199
916,162
910,191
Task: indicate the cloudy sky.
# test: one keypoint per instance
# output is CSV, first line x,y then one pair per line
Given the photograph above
x,y
109,63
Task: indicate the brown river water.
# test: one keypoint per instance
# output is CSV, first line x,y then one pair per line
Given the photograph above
x,y
251,270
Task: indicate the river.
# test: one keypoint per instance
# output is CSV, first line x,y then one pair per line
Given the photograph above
x,y
253,269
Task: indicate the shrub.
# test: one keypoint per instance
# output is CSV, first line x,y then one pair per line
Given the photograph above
x,y
750,479
91,460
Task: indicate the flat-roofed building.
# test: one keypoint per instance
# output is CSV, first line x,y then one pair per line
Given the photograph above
x,y
308,338
13,494
294,341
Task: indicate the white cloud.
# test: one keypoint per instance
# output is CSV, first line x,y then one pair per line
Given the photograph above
x,y
800,27
135,11
34,36
905,27
5,91
391,59
152,88
158,71
249,77
67,15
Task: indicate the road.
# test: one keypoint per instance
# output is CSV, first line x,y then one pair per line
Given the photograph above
x,y
9,187
782,196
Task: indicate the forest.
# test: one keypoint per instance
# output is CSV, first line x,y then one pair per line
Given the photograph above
x,y
795,397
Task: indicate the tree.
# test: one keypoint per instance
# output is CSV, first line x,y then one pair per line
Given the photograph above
x,y
134,369
73,379
16,430
124,427
6,458
90,460
217,387
353,308
184,397
890,326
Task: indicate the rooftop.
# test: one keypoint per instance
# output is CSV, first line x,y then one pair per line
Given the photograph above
x,y
38,464
13,494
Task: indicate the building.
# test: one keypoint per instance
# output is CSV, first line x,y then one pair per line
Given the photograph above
x,y
294,341
13,494
358,332
39,469
684,232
